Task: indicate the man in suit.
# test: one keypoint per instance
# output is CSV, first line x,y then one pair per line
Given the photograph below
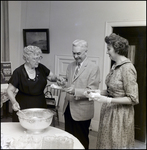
x,y
82,74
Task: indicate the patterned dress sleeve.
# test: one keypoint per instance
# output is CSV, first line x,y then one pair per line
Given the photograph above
x,y
129,76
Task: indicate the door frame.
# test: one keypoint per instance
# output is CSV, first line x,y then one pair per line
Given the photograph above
x,y
108,30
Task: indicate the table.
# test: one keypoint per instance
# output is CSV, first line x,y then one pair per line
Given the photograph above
x,y
15,130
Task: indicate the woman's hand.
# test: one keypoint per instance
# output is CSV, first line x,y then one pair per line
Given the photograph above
x,y
103,99
95,95
16,106
11,91
92,94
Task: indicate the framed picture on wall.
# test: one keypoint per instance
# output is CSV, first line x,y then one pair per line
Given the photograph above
x,y
37,37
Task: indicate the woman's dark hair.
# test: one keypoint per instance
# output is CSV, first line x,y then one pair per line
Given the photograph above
x,y
119,43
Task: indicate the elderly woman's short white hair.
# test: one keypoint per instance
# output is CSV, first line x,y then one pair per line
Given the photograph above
x,y
29,50
80,43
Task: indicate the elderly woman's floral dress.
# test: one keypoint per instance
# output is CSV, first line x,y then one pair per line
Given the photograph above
x,y
116,127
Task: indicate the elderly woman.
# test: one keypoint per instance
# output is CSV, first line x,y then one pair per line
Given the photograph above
x,y
30,79
116,126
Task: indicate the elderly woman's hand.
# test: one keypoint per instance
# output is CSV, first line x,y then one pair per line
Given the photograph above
x,y
16,106
61,81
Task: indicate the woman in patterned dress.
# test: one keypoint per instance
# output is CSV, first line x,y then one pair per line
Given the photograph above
x,y
116,126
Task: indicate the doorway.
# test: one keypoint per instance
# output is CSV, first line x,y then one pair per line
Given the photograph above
x,y
137,38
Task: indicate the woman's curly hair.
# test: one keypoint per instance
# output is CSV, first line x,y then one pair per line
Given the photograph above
x,y
30,49
119,43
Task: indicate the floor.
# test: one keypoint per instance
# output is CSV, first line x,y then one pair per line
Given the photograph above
x,y
92,134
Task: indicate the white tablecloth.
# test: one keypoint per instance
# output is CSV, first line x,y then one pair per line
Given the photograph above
x,y
15,130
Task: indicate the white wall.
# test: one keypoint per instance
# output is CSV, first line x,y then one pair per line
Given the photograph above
x,y
15,32
67,21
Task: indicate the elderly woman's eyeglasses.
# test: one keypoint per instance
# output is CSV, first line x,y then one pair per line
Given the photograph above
x,y
37,58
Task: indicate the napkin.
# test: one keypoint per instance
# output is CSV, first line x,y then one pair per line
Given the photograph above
x,y
55,86
92,94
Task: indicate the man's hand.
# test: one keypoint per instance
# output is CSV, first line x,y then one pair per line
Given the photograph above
x,y
70,90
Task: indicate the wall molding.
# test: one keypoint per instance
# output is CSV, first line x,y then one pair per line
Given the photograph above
x,y
62,61
108,30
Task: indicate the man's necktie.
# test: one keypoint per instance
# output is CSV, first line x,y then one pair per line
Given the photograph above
x,y
77,70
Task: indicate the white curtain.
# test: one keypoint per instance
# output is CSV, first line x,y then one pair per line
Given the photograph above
x,y
5,55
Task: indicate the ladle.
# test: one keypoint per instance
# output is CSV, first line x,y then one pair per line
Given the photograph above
x,y
22,112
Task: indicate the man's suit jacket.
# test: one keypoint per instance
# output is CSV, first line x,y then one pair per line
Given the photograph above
x,y
88,77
